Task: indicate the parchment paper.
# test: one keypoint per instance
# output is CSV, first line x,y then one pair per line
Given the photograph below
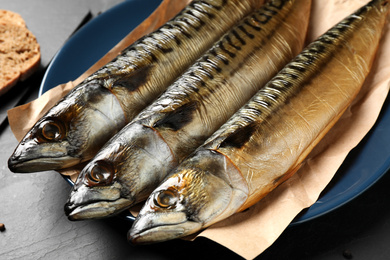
x,y
249,233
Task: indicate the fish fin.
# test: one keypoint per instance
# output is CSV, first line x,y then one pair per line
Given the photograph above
x,y
287,175
239,138
177,118
133,80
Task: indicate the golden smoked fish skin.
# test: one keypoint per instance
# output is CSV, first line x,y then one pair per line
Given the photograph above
x,y
266,141
140,156
80,124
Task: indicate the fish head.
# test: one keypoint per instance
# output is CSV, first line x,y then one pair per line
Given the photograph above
x,y
99,191
167,214
189,200
123,173
71,132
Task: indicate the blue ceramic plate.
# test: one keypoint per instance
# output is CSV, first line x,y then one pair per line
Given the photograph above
x,y
94,40
362,168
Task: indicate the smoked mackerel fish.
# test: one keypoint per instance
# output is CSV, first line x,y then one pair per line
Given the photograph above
x,y
132,164
79,124
267,140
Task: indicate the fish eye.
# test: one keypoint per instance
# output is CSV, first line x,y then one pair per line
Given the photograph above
x,y
52,130
166,198
101,173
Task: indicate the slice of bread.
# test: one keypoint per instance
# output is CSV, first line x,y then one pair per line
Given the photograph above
x,y
19,50
11,17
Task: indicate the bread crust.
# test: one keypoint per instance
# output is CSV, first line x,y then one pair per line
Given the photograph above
x,y
19,50
11,17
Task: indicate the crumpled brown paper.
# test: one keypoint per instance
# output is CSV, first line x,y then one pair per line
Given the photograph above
x,y
249,233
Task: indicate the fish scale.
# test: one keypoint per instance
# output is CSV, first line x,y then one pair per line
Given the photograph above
x,y
210,67
288,80
290,84
268,139
134,79
192,108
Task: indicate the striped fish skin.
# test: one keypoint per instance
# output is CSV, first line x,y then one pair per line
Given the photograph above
x,y
192,108
266,141
79,125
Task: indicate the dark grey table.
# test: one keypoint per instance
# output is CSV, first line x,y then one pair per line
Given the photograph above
x,y
31,205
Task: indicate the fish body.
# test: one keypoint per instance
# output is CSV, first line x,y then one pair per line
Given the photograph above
x,y
266,141
140,156
80,123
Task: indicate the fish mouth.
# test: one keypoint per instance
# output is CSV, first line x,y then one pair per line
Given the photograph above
x,y
96,210
161,232
18,164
